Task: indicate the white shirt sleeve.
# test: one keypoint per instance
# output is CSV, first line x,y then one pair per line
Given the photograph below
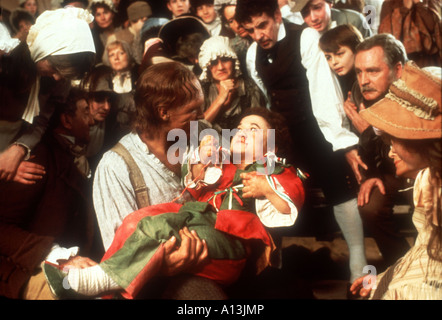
x,y
113,195
325,92
270,216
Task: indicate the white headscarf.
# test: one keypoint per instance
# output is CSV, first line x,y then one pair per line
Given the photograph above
x,y
214,48
61,31
57,32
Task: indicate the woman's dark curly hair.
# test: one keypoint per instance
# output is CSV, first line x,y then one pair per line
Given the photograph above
x,y
276,121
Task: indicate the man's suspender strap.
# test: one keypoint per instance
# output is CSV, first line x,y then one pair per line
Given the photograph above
x,y
135,175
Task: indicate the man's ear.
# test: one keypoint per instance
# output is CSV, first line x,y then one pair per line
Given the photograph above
x,y
398,70
163,113
278,16
66,121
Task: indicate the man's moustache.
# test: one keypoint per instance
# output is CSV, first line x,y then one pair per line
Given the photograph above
x,y
367,89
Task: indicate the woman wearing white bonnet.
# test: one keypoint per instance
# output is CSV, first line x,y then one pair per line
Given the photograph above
x,y
104,25
59,48
226,92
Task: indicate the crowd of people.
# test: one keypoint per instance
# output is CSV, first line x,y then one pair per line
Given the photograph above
x,y
104,192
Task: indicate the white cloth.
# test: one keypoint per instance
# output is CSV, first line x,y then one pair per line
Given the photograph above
x,y
122,83
7,44
60,253
325,93
214,27
113,194
61,31
57,32
291,16
270,216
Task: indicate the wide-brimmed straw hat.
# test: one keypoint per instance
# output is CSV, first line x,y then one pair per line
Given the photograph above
x,y
412,107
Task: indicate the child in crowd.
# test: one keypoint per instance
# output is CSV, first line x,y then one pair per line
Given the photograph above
x,y
222,215
178,7
339,46
205,9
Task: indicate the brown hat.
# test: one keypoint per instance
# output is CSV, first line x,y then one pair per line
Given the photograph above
x,y
412,107
181,26
138,10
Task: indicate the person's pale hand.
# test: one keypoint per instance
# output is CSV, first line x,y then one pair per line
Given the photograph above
x,y
29,172
352,113
366,189
354,160
192,253
225,91
255,185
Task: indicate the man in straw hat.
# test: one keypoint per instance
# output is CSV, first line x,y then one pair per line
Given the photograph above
x,y
409,116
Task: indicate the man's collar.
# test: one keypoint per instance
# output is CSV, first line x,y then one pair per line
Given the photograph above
x,y
281,32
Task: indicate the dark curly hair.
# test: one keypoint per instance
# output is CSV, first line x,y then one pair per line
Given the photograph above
x,y
276,121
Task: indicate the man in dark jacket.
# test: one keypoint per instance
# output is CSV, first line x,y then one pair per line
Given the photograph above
x,y
52,218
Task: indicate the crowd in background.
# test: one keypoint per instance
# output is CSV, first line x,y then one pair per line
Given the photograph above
x,y
84,124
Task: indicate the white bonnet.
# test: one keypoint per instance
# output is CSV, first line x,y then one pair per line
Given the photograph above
x,y
61,31
219,3
212,49
109,3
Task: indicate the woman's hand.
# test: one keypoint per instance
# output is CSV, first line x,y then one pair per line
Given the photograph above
x,y
226,89
256,186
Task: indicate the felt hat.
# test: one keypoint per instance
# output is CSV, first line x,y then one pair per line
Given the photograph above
x,y
153,23
412,107
181,26
138,10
